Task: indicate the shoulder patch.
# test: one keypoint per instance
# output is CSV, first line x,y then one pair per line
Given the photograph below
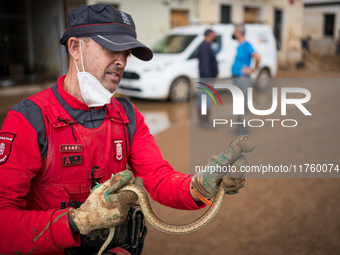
x,y
6,141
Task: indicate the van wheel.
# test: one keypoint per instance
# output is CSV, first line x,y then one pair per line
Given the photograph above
x,y
263,80
180,90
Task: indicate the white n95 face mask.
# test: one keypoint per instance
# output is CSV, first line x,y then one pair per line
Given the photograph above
x,y
93,92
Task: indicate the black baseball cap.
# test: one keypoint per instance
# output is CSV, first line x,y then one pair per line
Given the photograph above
x,y
109,27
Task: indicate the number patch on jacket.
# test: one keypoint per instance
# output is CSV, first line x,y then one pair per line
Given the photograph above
x,y
71,148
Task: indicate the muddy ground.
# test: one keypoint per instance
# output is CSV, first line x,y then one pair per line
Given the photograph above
x,y
272,215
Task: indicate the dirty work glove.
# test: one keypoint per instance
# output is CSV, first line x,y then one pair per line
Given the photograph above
x,y
207,183
105,208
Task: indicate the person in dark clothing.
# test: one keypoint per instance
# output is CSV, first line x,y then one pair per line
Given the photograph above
x,y
305,51
337,43
206,56
208,69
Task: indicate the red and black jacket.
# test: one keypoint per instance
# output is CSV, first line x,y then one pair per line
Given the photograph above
x,y
52,141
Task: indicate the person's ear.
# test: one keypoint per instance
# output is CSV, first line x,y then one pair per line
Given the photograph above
x,y
74,47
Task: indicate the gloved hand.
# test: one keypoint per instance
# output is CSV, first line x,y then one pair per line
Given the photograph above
x,y
105,208
207,183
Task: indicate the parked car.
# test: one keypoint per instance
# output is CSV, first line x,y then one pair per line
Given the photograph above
x,y
169,74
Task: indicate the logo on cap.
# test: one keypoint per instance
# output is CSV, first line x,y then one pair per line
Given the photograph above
x,y
125,18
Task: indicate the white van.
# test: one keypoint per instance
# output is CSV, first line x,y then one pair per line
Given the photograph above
x,y
169,74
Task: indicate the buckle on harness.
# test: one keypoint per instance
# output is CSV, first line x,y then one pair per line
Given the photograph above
x,y
136,226
94,181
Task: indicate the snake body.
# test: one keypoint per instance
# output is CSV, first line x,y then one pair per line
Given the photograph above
x,y
166,227
171,228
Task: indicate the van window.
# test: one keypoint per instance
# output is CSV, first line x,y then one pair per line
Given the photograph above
x,y
173,44
217,44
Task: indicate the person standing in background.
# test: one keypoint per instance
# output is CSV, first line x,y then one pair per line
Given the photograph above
x,y
241,69
208,69
338,44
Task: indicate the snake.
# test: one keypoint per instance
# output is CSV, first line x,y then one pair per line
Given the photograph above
x,y
173,228
166,227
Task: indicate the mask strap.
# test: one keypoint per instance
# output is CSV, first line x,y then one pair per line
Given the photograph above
x,y
81,57
76,65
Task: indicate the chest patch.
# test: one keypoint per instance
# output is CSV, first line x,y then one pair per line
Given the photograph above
x,y
72,160
119,149
6,141
71,148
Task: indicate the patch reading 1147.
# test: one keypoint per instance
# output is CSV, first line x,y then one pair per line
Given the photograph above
x,y
71,148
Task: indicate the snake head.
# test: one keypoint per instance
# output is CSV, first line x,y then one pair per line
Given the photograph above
x,y
243,142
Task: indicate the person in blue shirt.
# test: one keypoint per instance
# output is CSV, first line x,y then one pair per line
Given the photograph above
x,y
244,55
241,68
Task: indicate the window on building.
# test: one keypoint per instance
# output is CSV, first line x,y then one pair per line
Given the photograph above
x,y
278,27
179,18
225,14
329,25
251,15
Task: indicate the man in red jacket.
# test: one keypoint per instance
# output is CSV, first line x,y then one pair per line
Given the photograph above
x,y
58,144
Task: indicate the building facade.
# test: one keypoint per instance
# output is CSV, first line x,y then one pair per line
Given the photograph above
x,y
29,46
30,29
30,52
155,17
284,16
322,25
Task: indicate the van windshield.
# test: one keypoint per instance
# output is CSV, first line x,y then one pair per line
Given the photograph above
x,y
173,44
